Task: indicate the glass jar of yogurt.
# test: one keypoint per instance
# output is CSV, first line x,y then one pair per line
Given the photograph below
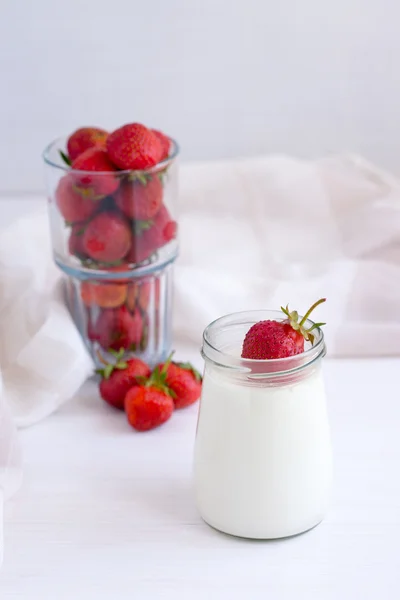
x,y
263,464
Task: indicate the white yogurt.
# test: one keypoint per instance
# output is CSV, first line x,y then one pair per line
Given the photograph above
x,y
263,466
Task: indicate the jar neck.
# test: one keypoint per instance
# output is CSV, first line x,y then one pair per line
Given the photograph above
x,y
222,341
251,378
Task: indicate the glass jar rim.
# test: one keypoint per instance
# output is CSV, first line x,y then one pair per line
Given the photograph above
x,y
57,143
258,367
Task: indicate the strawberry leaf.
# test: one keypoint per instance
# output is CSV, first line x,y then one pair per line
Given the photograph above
x,y
163,175
87,193
144,178
115,263
170,392
158,378
117,353
315,326
121,366
65,158
143,226
108,369
189,367
286,311
300,326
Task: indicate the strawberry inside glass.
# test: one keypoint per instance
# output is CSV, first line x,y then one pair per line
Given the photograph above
x,y
114,234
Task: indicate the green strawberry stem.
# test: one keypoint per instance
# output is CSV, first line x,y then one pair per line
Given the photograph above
x,y
293,317
308,313
158,378
109,367
167,362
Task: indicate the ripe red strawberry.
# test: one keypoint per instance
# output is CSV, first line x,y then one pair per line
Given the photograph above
x,y
103,293
117,328
139,293
170,231
84,138
165,143
74,204
185,383
160,231
129,328
120,377
134,147
147,407
140,199
75,241
100,329
96,159
279,339
107,238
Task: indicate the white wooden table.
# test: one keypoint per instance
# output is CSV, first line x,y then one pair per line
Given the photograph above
x,y
108,513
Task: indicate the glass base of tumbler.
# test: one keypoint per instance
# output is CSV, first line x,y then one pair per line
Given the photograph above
x,y
124,313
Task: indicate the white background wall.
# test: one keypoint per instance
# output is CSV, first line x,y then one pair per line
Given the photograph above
x,y
225,77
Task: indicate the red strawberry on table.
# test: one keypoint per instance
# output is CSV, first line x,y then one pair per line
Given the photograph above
x,y
84,138
134,147
185,383
118,378
140,199
165,143
150,405
96,159
117,328
74,204
279,339
107,238
147,407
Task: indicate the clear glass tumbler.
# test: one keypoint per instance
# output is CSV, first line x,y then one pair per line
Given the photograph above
x,y
263,464
115,239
